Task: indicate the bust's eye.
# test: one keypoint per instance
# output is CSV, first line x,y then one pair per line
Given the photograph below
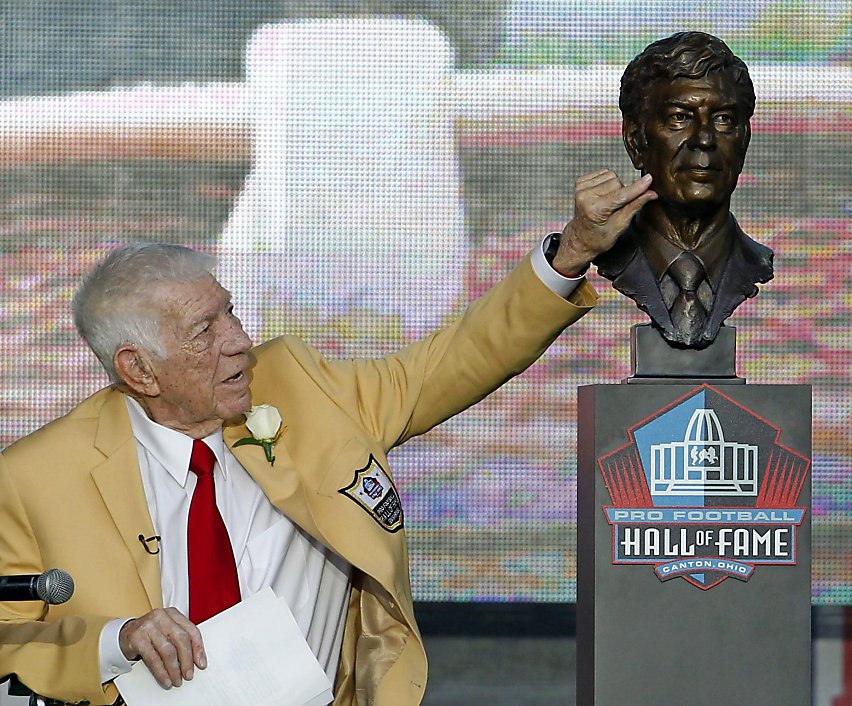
x,y
678,118
724,120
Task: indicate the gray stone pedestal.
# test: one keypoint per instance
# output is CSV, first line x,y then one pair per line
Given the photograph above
x,y
694,544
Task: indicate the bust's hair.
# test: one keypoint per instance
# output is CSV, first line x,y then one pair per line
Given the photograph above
x,y
682,55
118,302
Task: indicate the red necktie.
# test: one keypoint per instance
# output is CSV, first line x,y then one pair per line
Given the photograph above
x,y
213,582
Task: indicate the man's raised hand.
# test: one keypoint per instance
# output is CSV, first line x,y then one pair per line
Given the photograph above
x,y
603,208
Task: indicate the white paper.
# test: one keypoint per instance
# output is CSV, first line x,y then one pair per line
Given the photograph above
x,y
256,656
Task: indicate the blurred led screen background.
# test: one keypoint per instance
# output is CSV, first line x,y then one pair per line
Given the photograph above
x,y
363,169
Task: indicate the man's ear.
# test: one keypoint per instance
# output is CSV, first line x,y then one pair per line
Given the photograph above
x,y
634,141
134,370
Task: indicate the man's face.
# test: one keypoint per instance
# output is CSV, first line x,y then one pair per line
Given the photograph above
x,y
695,140
202,379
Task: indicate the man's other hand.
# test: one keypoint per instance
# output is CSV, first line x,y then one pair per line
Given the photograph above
x,y
167,642
603,208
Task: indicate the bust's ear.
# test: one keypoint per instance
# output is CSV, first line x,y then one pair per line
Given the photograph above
x,y
134,370
634,141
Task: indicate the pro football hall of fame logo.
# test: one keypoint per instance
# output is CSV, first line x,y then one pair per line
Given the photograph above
x,y
703,490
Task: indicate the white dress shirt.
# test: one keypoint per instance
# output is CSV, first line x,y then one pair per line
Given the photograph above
x,y
269,549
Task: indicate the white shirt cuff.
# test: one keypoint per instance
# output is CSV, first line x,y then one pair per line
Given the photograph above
x,y
112,660
563,286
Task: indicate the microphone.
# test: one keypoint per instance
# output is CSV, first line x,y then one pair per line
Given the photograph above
x,y
53,586
148,542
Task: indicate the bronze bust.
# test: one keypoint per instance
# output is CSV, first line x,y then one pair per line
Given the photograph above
x,y
686,102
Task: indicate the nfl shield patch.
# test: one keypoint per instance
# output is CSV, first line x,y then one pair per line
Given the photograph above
x,y
373,490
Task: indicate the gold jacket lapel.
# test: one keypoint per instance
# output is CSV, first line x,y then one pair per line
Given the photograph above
x,y
280,481
120,485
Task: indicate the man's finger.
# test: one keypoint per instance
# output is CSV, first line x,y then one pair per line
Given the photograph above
x,y
632,191
592,177
167,654
179,638
199,655
599,182
153,660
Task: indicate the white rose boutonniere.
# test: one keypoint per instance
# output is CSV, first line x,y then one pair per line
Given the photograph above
x,y
264,423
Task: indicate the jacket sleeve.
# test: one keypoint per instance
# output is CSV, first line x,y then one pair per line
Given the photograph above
x,y
56,659
498,337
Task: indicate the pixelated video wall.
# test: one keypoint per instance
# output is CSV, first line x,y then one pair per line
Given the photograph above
x,y
363,169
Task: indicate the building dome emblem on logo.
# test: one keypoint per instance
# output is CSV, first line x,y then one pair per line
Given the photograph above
x,y
704,463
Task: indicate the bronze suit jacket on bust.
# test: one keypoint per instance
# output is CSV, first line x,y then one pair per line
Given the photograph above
x,y
631,272
71,495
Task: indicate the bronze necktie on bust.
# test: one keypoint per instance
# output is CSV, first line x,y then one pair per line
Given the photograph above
x,y
687,312
213,582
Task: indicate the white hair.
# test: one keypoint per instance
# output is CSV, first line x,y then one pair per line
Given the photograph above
x,y
116,304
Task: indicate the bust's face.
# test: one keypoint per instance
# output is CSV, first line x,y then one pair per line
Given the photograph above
x,y
695,140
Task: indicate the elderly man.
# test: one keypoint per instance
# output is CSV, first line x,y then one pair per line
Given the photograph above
x,y
144,496
686,102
